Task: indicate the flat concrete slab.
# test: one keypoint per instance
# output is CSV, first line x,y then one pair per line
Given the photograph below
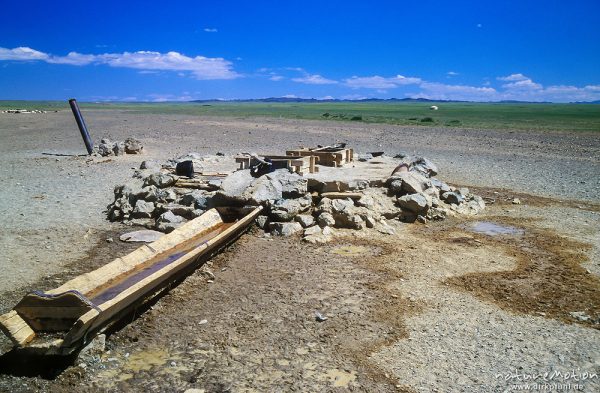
x,y
355,175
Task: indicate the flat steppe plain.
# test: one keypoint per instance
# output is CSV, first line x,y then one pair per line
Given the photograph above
x,y
435,307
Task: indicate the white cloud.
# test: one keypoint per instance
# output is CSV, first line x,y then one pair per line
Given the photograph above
x,y
210,30
519,82
22,54
379,82
525,84
452,73
513,77
201,67
276,78
353,97
520,88
314,80
441,91
555,93
169,97
72,58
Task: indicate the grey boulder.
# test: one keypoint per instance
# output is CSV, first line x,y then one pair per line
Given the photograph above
x,y
143,209
133,146
415,203
285,228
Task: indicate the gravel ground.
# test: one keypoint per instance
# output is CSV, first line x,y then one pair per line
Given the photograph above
x,y
411,312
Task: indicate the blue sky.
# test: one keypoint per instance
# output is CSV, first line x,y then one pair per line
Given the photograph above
x,y
183,50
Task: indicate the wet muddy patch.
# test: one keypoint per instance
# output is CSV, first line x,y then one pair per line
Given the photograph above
x,y
99,255
548,279
492,229
254,325
505,197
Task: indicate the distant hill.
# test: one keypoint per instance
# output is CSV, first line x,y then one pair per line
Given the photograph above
x,y
309,100
586,102
295,99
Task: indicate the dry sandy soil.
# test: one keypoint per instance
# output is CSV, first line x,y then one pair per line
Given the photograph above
x,y
434,308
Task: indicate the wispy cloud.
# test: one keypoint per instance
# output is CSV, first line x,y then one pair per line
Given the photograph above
x,y
353,97
22,54
512,77
210,30
519,87
442,91
526,84
519,82
169,97
379,82
200,67
276,78
314,79
452,73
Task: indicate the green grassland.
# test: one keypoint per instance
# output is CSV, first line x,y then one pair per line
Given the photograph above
x,y
515,116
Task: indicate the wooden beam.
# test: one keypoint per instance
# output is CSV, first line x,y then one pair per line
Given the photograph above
x,y
341,195
15,328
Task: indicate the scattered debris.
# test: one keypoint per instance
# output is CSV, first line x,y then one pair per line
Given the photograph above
x,y
133,146
582,316
320,317
107,148
24,111
336,155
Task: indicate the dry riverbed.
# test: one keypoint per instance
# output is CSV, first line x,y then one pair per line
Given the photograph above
x,y
436,307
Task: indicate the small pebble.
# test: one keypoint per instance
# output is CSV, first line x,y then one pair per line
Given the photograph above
x,y
320,317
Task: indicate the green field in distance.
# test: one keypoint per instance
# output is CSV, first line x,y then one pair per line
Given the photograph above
x,y
514,116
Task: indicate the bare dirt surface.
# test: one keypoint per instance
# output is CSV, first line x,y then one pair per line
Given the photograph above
x,y
436,307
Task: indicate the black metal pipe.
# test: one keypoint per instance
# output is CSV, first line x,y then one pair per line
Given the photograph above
x,y
81,124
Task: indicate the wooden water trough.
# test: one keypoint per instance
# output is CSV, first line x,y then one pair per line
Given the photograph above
x,y
61,320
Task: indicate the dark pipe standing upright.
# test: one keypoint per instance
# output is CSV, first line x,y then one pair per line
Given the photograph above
x,y
81,124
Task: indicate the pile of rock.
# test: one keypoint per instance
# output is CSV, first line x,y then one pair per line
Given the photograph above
x,y
292,203
106,147
423,197
153,200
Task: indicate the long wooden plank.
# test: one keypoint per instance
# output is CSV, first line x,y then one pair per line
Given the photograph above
x,y
92,319
87,282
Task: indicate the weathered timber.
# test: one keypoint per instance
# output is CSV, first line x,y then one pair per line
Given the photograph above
x,y
83,306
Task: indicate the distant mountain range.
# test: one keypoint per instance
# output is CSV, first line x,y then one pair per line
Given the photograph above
x,y
296,99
